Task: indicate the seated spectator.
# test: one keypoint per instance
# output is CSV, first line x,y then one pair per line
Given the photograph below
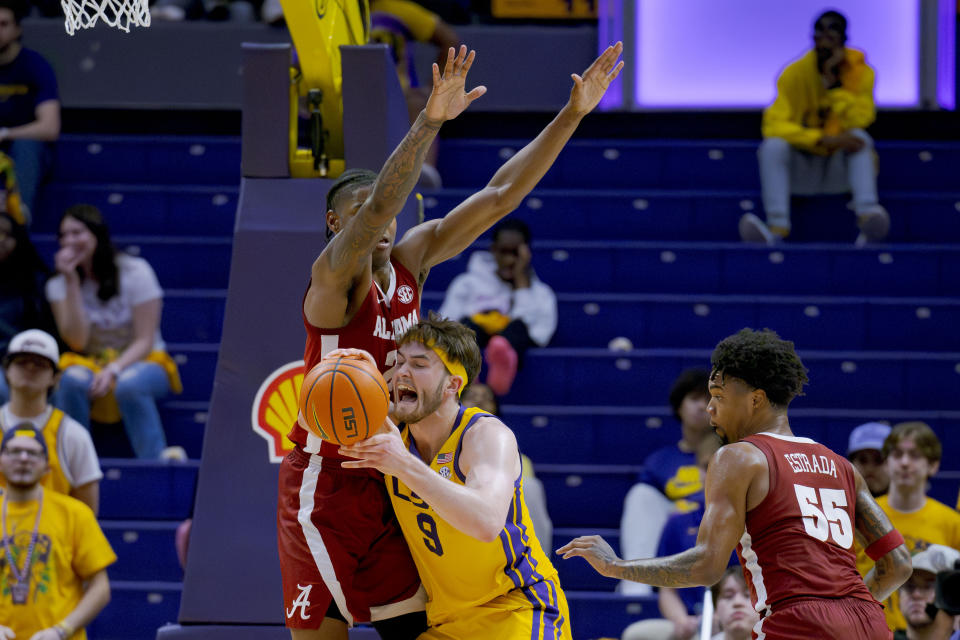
x,y
681,608
912,452
480,395
671,479
733,614
918,594
814,138
31,369
30,110
57,591
501,298
22,274
865,451
107,308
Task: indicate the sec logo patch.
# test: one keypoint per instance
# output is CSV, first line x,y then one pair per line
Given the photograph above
x,y
444,472
405,293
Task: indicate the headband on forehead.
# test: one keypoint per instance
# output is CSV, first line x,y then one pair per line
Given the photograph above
x,y
454,367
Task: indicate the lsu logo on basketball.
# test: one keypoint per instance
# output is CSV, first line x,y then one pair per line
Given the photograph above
x,y
405,294
349,421
275,408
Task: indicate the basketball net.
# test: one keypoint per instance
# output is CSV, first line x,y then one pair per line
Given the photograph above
x,y
83,14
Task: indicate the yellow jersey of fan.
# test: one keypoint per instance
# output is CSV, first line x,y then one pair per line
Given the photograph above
x,y
506,588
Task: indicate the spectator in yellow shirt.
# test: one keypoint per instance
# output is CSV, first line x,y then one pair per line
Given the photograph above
x,y
912,452
814,138
53,577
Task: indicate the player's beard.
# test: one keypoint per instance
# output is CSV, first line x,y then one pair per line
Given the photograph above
x,y
429,403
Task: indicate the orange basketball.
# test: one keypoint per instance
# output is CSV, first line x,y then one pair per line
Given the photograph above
x,y
344,399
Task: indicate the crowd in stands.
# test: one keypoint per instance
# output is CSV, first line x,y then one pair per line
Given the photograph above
x,y
82,341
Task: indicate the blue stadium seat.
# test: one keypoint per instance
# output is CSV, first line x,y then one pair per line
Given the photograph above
x,y
177,160
147,490
605,615
586,495
673,164
576,574
193,315
856,379
184,423
173,258
725,268
197,364
136,610
145,550
145,209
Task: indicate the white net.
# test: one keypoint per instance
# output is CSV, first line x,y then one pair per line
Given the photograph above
x,y
83,14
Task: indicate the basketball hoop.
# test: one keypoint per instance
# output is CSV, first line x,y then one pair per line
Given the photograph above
x,y
83,14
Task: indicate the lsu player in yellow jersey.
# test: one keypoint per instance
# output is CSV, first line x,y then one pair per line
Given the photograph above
x,y
454,477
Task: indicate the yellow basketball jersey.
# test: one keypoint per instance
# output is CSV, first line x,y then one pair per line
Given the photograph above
x,y
460,572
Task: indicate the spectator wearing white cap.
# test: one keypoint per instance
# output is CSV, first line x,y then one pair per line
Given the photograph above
x,y
925,622
865,451
31,370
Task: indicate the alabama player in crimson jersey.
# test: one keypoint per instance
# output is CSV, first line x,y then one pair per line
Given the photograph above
x,y
789,505
342,554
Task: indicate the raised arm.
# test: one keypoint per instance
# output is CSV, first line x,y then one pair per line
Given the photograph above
x,y
433,242
882,543
489,460
735,471
359,233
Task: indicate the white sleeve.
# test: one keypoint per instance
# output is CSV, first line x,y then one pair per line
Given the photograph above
x,y
537,307
141,282
455,302
81,464
56,288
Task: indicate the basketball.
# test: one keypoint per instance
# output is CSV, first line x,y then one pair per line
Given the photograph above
x,y
344,400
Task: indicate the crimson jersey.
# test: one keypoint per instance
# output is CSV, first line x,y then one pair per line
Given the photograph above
x,y
380,318
799,540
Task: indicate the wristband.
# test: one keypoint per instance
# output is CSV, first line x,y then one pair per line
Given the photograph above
x,y
881,547
62,630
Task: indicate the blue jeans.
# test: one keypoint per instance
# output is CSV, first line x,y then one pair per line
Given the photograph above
x,y
32,160
785,169
137,390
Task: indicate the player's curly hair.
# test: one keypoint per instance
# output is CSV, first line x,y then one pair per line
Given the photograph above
x,y
458,341
764,361
348,181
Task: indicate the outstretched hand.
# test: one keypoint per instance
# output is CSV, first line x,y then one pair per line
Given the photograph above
x,y
594,550
449,98
589,88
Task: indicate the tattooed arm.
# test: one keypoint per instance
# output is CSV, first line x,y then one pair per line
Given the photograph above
x,y
737,475
891,570
433,242
360,223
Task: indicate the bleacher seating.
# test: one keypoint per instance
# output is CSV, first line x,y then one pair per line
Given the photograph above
x,y
639,240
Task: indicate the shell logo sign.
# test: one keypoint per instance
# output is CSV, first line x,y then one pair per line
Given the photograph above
x,y
275,408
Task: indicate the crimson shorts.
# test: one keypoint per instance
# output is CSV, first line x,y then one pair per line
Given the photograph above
x,y
339,540
824,619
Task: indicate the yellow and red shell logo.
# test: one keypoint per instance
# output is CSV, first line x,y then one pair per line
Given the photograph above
x,y
276,406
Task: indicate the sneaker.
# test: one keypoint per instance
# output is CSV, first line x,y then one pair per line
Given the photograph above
x,y
753,229
874,223
501,365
